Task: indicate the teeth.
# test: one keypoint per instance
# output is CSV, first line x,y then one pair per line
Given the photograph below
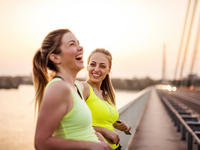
x,y
96,75
79,56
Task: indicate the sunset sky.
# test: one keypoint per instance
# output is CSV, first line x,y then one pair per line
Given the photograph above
x,y
134,31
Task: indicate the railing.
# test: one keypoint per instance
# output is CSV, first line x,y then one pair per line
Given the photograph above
x,y
188,125
131,113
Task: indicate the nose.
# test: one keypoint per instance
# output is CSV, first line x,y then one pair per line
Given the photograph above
x,y
96,69
80,48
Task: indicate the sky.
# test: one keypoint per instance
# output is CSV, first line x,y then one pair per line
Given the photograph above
x,y
134,31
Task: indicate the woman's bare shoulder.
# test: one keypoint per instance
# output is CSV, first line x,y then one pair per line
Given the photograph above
x,y
86,89
58,93
58,87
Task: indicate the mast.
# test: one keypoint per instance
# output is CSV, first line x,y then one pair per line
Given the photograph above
x,y
164,64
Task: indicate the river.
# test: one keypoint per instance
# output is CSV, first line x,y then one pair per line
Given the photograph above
x,y
17,121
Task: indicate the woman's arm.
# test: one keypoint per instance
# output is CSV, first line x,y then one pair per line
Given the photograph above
x,y
111,135
100,137
56,103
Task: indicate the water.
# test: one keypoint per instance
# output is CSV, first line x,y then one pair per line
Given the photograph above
x,y
17,121
123,97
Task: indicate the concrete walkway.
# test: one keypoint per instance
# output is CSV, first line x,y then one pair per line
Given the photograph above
x,y
156,130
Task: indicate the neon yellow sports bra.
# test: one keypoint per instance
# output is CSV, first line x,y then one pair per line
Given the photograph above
x,y
76,124
103,113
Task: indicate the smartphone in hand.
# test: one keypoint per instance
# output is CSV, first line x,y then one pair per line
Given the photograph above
x,y
126,132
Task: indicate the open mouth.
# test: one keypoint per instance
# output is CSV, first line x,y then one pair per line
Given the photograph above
x,y
96,75
79,57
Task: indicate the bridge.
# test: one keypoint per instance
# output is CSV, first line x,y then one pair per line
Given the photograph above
x,y
162,118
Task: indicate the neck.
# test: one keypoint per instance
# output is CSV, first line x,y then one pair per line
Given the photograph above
x,y
96,85
68,76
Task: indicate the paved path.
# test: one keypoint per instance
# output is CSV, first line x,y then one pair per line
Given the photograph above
x,y
156,130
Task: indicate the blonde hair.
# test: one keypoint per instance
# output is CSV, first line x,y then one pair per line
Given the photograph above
x,y
42,64
106,86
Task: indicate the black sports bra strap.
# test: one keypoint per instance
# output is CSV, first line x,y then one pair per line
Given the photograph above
x,y
58,77
79,92
75,85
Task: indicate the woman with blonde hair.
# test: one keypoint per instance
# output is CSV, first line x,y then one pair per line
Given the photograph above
x,y
64,120
100,97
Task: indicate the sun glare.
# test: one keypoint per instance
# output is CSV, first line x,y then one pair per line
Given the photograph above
x,y
130,30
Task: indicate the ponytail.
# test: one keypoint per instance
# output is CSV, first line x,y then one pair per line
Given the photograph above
x,y
108,90
40,77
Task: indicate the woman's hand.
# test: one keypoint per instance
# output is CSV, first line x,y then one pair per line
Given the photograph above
x,y
108,134
112,136
122,126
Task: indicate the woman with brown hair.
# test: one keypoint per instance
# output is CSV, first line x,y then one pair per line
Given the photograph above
x,y
100,97
64,120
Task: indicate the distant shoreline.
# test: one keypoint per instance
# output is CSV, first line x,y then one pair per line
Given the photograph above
x,y
135,84
9,82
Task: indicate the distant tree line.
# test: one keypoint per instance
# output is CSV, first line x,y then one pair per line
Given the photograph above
x,y
7,82
133,84
190,80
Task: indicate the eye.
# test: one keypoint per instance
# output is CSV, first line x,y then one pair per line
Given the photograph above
x,y
102,66
71,44
92,64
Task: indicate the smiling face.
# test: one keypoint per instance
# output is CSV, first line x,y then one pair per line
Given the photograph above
x,y
98,67
71,55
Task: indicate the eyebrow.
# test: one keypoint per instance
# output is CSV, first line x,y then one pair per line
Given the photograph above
x,y
100,63
71,41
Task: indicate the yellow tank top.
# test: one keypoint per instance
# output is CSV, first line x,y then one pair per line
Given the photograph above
x,y
103,113
76,124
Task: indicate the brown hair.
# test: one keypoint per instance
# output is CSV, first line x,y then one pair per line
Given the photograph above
x,y
42,64
106,85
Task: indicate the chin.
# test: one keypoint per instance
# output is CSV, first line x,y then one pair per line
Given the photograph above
x,y
95,80
80,66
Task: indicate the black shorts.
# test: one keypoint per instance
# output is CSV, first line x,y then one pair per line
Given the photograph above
x,y
119,147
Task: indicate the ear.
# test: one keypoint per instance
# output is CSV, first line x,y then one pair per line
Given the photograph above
x,y
54,58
